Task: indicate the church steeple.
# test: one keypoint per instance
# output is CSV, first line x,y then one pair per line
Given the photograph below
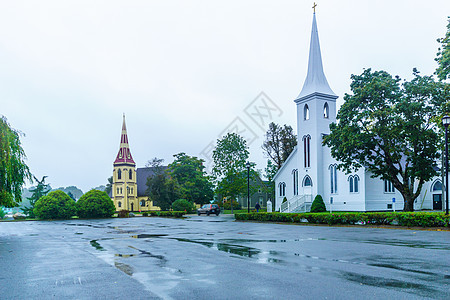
x,y
315,82
124,155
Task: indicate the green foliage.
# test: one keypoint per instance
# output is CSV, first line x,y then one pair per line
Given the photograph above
x,y
270,171
388,127
318,205
13,170
162,189
409,219
279,143
95,204
230,157
284,200
227,205
443,55
123,213
169,214
182,205
145,214
2,213
55,205
41,189
189,172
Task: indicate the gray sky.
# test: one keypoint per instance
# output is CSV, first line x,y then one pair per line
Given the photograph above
x,y
182,71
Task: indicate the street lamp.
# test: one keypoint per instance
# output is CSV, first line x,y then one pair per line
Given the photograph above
x,y
446,122
248,186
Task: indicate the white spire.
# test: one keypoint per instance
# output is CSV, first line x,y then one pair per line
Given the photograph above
x,y
315,82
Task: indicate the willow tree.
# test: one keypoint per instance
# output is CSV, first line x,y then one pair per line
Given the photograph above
x,y
13,170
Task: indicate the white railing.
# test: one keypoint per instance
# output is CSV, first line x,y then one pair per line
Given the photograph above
x,y
301,203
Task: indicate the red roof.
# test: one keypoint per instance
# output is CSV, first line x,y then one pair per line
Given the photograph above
x,y
124,155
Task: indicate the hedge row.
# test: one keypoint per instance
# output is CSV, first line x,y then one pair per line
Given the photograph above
x,y
173,214
410,219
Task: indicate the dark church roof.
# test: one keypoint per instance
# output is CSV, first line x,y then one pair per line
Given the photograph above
x,y
141,179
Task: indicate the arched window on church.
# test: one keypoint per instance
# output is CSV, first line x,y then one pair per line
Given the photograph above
x,y
333,178
119,204
282,189
117,190
295,179
307,150
353,181
119,174
437,186
326,111
307,181
130,173
306,112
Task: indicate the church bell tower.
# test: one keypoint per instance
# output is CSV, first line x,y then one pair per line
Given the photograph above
x,y
124,189
316,110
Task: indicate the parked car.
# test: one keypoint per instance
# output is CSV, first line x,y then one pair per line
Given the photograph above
x,y
209,209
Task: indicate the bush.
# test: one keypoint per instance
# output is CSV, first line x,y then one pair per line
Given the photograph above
x,y
174,214
182,205
145,214
123,213
95,204
422,219
318,205
2,213
55,205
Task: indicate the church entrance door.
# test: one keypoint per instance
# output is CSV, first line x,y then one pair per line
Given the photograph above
x,y
132,204
437,201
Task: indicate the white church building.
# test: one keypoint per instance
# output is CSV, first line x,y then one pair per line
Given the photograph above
x,y
310,170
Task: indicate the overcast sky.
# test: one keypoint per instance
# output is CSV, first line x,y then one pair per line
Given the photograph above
x,y
183,72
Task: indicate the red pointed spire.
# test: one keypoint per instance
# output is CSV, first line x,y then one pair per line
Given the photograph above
x,y
124,155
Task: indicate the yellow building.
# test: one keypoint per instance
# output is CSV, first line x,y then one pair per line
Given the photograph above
x,y
129,184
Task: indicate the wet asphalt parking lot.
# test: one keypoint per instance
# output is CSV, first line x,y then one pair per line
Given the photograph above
x,y
219,258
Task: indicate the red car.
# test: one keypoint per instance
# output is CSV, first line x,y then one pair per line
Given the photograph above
x,y
209,209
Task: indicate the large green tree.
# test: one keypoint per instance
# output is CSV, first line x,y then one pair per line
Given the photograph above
x,y
443,55
279,142
41,189
230,157
161,188
13,170
189,172
388,127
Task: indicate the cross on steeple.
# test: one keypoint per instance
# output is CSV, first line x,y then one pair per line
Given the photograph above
x,y
314,7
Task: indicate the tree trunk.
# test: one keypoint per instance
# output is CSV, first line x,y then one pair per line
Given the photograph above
x,y
408,203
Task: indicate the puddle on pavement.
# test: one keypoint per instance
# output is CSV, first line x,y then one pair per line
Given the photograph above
x,y
96,245
124,268
146,236
124,255
395,267
417,288
242,251
411,244
149,254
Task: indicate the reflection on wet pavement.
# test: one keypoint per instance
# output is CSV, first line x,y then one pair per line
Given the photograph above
x,y
419,289
288,251
96,245
124,268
